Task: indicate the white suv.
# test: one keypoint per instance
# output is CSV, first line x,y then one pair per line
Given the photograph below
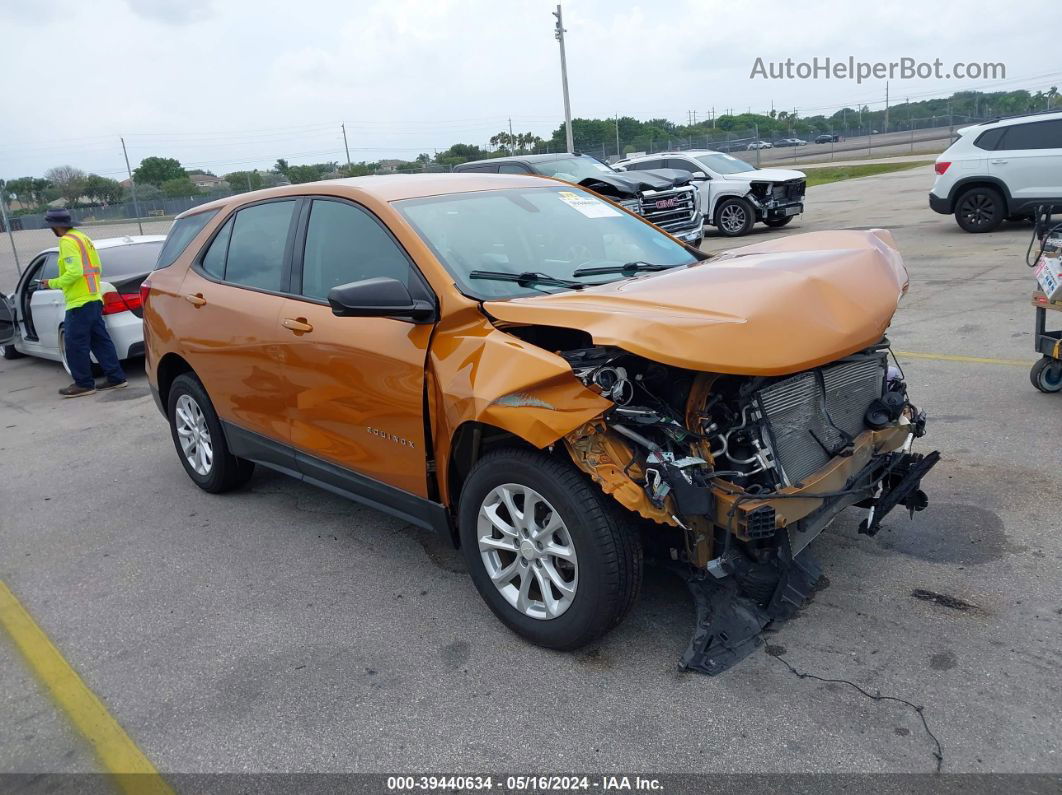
x,y
734,194
1000,170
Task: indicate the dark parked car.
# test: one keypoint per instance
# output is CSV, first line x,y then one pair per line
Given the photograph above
x,y
827,138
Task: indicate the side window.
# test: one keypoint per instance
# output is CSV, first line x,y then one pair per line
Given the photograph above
x,y
512,168
180,235
256,246
50,270
213,261
990,139
681,165
647,164
345,244
487,169
1035,135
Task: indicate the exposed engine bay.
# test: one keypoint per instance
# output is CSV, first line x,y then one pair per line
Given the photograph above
x,y
746,471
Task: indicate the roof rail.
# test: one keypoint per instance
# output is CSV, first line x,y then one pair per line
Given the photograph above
x,y
1020,115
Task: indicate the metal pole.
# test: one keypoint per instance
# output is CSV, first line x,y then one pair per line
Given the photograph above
x,y
132,185
343,127
559,34
7,226
617,136
756,133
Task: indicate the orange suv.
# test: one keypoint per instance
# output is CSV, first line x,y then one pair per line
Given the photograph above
x,y
548,379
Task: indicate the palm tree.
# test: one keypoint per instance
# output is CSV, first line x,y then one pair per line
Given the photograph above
x,y
1051,94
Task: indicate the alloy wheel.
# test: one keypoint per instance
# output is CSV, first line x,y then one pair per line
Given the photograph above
x,y
732,218
527,551
978,209
194,435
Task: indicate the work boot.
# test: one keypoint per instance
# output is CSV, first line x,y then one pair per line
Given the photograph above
x,y
77,391
111,385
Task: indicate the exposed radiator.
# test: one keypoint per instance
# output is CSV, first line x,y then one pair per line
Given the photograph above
x,y
813,415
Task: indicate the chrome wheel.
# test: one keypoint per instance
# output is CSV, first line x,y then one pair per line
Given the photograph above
x,y
527,551
733,218
194,435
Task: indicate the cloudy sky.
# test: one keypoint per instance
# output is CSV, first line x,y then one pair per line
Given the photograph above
x,y
233,84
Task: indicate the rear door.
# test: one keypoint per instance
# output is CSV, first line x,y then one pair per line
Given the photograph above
x,y
230,321
1028,159
358,382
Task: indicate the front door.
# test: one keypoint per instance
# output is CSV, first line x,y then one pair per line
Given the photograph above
x,y
358,382
47,308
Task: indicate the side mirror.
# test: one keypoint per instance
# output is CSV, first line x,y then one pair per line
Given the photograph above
x,y
378,297
698,175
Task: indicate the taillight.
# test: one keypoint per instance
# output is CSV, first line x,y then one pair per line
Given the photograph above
x,y
941,167
145,288
113,303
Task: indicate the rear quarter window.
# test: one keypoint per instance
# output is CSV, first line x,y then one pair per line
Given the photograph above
x,y
180,235
990,139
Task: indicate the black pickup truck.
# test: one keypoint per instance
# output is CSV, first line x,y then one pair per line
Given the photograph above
x,y
664,196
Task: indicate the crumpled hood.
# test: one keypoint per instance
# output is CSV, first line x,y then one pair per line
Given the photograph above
x,y
768,175
767,309
632,183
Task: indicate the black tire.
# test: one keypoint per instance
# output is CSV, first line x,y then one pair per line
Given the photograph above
x,y
1046,375
605,540
777,223
8,351
734,217
226,472
980,209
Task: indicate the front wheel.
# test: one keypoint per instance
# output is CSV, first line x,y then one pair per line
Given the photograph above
x,y
553,557
1046,375
776,223
199,440
734,217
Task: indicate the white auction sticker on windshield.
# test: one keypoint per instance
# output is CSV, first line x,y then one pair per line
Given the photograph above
x,y
588,205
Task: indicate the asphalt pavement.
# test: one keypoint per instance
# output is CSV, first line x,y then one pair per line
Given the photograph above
x,y
281,628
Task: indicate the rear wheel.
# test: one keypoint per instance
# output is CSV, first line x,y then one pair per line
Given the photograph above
x,y
979,209
200,442
8,351
554,557
734,217
1046,375
775,223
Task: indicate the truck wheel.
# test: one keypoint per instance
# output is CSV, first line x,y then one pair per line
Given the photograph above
x,y
1046,375
734,217
775,223
979,209
8,351
554,557
199,440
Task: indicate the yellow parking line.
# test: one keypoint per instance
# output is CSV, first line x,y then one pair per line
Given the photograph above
x,y
119,755
951,357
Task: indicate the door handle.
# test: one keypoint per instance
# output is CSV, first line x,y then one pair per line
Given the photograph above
x,y
298,325
999,162
196,300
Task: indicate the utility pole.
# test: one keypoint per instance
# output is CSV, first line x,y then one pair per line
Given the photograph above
x,y
617,136
132,185
559,35
343,127
886,127
7,226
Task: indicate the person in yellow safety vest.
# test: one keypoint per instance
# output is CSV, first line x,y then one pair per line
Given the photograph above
x,y
84,329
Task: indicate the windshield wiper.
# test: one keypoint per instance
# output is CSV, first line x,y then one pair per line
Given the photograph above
x,y
627,269
527,279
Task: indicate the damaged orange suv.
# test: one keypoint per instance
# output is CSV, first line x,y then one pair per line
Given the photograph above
x,y
548,379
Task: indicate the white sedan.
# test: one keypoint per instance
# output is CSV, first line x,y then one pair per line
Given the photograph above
x,y
31,319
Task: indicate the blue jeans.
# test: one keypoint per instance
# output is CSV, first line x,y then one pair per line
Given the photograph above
x,y
85,331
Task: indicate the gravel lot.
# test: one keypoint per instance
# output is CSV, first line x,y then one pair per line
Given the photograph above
x,y
282,629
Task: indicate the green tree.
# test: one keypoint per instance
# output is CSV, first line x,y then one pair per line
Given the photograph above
x,y
157,170
243,181
300,174
179,186
281,166
69,182
28,190
102,189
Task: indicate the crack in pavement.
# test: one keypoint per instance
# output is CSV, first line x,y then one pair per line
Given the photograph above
x,y
938,754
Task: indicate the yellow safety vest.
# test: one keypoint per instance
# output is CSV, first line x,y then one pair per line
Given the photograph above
x,y
79,270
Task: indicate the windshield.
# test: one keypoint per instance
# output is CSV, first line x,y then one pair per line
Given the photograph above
x,y
572,169
549,231
725,164
129,260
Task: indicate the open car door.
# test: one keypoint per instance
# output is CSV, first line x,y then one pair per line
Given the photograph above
x,y
7,320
